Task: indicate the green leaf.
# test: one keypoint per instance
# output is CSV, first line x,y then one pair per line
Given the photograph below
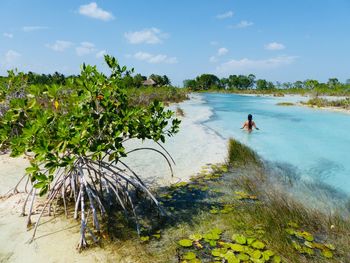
x,y
258,244
185,243
189,256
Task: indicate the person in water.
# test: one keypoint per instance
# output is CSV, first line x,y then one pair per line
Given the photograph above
x,y
249,124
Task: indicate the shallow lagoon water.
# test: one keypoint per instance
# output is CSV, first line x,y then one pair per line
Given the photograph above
x,y
315,142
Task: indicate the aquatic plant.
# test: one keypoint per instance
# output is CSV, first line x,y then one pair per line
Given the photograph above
x,y
75,137
239,154
285,104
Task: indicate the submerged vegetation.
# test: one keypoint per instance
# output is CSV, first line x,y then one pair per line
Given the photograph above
x,y
285,104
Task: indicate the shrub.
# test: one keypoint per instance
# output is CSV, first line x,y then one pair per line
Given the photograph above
x,y
75,134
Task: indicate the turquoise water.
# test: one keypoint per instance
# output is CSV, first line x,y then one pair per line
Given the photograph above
x,y
316,143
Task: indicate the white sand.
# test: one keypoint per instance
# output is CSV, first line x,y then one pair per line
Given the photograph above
x,y
192,148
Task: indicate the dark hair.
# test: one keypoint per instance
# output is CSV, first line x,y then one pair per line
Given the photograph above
x,y
250,117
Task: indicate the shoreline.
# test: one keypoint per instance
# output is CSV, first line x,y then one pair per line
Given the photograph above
x,y
333,109
193,147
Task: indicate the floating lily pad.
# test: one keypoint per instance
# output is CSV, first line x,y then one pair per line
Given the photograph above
x,y
290,231
231,258
309,244
196,237
237,248
309,251
305,235
240,239
211,236
216,231
258,244
189,256
297,246
327,253
219,252
243,257
185,243
256,254
276,259
250,240
179,185
214,211
212,243
144,238
156,236
330,246
267,254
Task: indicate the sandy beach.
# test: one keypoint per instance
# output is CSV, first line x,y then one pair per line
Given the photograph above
x,y
194,146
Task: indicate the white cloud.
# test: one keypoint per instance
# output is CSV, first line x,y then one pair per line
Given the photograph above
x,y
85,48
7,35
275,46
101,53
148,36
154,59
11,57
60,45
33,28
247,65
222,51
243,24
92,10
225,15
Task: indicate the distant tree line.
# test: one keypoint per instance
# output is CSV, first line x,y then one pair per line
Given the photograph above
x,y
58,78
249,82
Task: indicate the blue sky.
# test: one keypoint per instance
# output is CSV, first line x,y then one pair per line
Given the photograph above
x,y
280,40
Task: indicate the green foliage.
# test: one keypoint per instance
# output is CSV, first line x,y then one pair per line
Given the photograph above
x,y
321,102
76,133
239,154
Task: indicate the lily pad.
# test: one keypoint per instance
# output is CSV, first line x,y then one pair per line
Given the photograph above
x,y
258,244
231,258
211,236
276,259
144,238
240,239
330,246
189,256
327,253
219,252
237,248
216,231
309,244
196,237
305,235
290,231
243,257
307,250
250,240
212,243
267,254
256,254
185,242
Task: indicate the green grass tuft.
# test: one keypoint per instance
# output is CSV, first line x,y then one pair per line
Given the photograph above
x,y
239,154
